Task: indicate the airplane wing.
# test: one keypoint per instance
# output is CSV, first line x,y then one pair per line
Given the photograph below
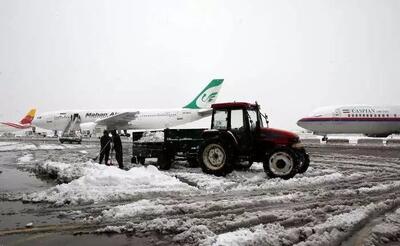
x,y
118,121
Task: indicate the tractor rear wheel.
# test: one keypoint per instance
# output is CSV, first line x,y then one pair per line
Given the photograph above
x,y
215,158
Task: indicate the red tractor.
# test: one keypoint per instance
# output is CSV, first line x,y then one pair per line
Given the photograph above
x,y
239,134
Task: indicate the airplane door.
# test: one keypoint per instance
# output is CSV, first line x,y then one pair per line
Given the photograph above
x,y
179,115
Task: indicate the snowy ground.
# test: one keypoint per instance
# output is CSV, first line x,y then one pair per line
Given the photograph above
x,y
349,196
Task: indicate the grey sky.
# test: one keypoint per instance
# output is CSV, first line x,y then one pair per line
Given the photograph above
x,y
291,56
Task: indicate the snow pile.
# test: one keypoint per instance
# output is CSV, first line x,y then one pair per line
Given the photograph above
x,y
152,137
194,235
64,172
388,231
339,227
79,146
270,234
139,208
13,146
51,147
24,159
158,207
297,181
333,231
7,143
110,184
205,182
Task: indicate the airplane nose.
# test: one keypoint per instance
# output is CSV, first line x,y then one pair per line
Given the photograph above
x,y
300,122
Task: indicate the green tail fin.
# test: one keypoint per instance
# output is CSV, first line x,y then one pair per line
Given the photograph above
x,y
208,96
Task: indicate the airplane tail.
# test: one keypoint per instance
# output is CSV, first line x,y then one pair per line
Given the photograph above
x,y
28,117
207,97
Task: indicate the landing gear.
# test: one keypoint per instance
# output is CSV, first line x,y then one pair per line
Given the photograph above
x,y
126,134
325,138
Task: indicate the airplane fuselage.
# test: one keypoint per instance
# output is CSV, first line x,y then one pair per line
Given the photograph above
x,y
368,120
145,119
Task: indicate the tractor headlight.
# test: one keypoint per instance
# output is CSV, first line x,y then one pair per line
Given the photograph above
x,y
298,145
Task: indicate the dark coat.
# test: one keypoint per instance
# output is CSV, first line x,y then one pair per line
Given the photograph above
x,y
104,140
117,143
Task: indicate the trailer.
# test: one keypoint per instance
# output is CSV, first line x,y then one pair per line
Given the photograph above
x,y
182,144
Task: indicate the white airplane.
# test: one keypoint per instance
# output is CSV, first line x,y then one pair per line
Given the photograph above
x,y
23,124
131,119
372,121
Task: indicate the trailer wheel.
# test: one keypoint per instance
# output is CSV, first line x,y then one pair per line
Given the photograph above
x,y
164,162
281,163
215,158
141,160
134,160
304,164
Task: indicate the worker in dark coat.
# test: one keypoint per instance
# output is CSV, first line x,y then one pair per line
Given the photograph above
x,y
117,146
105,147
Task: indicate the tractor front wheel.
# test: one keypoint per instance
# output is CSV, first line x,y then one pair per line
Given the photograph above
x,y
281,163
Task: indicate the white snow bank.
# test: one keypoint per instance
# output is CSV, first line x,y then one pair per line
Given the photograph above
x,y
152,137
206,182
103,183
387,231
17,146
7,143
142,207
270,234
51,147
297,181
25,158
333,231
160,207
65,172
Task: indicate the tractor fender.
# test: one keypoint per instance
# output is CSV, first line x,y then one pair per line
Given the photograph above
x,y
225,137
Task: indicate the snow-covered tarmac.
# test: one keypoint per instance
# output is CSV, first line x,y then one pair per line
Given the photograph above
x,y
349,196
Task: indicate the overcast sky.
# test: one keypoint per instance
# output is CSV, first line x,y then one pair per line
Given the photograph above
x,y
291,56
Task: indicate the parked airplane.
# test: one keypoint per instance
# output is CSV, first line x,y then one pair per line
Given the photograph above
x,y
133,118
372,121
24,123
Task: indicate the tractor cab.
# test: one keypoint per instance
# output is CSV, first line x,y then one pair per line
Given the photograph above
x,y
240,133
242,120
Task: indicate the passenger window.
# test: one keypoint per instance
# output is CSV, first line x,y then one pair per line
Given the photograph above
x,y
237,119
221,119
